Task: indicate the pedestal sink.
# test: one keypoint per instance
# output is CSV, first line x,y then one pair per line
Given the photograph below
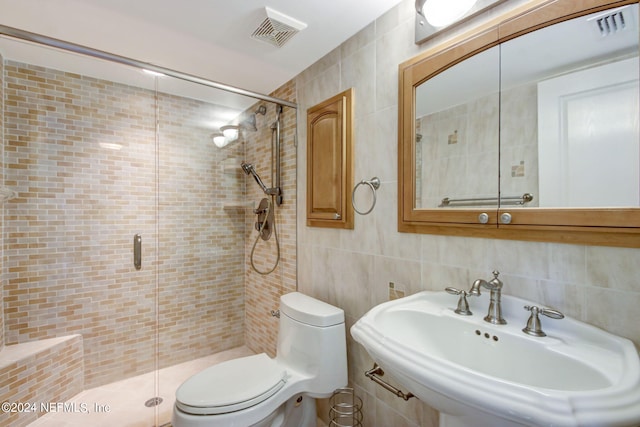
x,y
482,375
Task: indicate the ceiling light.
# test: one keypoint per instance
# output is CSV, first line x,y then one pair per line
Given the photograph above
x,y
441,13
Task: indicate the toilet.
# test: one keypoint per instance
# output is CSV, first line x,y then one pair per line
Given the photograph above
x,y
258,391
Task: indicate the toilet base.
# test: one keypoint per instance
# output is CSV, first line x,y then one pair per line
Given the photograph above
x,y
298,411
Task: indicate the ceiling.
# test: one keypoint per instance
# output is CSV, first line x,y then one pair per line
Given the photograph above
x,y
206,38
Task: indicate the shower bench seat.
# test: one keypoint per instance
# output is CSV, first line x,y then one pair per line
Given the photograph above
x,y
36,375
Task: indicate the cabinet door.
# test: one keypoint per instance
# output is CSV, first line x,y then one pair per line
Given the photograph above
x,y
330,163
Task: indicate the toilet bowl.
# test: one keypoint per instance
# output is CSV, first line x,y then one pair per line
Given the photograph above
x,y
257,391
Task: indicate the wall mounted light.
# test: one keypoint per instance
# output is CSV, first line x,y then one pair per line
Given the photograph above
x,y
230,132
433,16
440,13
226,135
219,140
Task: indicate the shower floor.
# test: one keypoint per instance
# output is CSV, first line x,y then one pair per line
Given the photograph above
x,y
122,403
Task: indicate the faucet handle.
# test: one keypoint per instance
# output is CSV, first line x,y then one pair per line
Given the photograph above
x,y
463,304
534,327
495,282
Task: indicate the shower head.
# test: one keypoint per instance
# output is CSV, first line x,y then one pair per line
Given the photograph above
x,y
247,168
250,170
250,122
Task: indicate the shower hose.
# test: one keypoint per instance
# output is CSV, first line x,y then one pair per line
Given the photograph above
x,y
255,243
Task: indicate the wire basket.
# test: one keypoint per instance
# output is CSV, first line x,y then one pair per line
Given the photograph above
x,y
345,409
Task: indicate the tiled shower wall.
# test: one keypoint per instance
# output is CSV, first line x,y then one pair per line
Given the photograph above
x,y
83,155
263,291
2,212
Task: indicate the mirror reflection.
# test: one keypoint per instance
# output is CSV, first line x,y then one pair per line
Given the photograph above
x,y
551,118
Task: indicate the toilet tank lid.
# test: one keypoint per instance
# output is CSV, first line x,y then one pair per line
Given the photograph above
x,y
309,310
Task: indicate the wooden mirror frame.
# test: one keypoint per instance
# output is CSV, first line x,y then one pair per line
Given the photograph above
x,y
591,226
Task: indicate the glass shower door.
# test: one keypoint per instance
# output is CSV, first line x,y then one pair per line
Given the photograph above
x,y
80,151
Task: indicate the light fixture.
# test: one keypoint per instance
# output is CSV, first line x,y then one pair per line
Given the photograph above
x,y
433,16
219,140
440,13
230,132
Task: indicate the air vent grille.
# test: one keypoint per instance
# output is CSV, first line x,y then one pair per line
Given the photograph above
x,y
615,21
611,23
277,28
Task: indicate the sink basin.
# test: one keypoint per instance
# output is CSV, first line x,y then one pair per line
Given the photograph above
x,y
479,374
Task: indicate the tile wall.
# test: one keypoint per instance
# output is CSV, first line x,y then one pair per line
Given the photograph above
x,y
82,154
353,269
457,145
262,292
2,213
40,374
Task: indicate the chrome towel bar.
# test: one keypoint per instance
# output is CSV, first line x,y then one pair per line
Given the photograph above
x,y
509,200
374,375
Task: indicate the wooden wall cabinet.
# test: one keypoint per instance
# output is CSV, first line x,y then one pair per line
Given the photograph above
x,y
330,162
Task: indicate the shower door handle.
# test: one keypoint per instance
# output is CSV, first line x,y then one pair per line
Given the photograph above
x,y
137,251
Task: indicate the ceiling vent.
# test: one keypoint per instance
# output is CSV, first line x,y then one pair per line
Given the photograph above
x,y
277,28
613,22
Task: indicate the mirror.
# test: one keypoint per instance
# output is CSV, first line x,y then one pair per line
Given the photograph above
x,y
457,117
569,103
544,125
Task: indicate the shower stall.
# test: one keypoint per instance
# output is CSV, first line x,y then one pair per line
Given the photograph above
x,y
126,230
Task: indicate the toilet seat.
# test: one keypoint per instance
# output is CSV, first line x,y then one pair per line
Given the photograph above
x,y
231,386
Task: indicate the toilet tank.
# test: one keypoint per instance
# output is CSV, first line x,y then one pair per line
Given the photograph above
x,y
312,341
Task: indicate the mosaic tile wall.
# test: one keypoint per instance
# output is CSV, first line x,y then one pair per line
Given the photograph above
x,y
1,211
82,154
200,245
263,291
43,374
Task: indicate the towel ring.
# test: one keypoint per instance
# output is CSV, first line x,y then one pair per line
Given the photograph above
x,y
374,184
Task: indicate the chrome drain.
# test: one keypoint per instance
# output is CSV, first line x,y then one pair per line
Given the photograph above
x,y
154,401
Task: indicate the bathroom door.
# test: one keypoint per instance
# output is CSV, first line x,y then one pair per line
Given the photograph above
x,y
588,137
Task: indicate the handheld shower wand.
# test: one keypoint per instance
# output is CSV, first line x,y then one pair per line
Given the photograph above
x,y
249,169
266,219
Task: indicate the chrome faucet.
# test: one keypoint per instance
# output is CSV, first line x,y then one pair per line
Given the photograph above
x,y
495,286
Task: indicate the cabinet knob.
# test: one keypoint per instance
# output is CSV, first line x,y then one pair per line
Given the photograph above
x,y
483,218
505,218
